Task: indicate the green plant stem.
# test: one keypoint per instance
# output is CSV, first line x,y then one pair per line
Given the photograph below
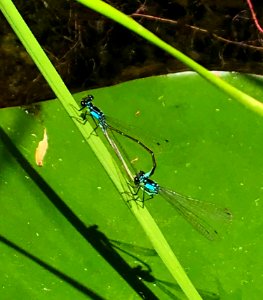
x,y
54,80
100,150
112,13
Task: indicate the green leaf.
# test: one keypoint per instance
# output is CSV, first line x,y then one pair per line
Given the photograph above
x,y
147,222
66,99
214,154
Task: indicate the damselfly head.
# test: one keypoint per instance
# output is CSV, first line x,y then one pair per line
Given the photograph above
x,y
138,178
85,101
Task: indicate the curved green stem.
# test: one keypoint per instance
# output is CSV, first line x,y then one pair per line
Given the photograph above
x,y
112,13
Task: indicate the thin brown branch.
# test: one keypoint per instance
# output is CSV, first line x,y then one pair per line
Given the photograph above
x,y
254,17
220,38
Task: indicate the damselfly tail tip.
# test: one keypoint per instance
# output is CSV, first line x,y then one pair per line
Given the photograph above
x,y
159,144
228,214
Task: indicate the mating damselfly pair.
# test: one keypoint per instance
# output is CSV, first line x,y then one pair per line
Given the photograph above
x,y
194,211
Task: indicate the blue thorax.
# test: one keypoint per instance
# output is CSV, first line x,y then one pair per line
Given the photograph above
x,y
149,186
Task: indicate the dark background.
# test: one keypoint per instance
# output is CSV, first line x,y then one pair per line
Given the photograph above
x,y
90,51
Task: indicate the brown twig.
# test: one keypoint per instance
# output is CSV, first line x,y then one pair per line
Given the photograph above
x,y
254,17
164,20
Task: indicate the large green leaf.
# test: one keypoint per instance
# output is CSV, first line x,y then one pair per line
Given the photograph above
x,y
213,154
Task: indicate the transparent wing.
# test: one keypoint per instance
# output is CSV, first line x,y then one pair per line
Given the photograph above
x,y
197,212
153,141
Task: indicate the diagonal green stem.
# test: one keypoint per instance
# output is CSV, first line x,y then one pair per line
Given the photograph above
x,y
112,13
100,150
